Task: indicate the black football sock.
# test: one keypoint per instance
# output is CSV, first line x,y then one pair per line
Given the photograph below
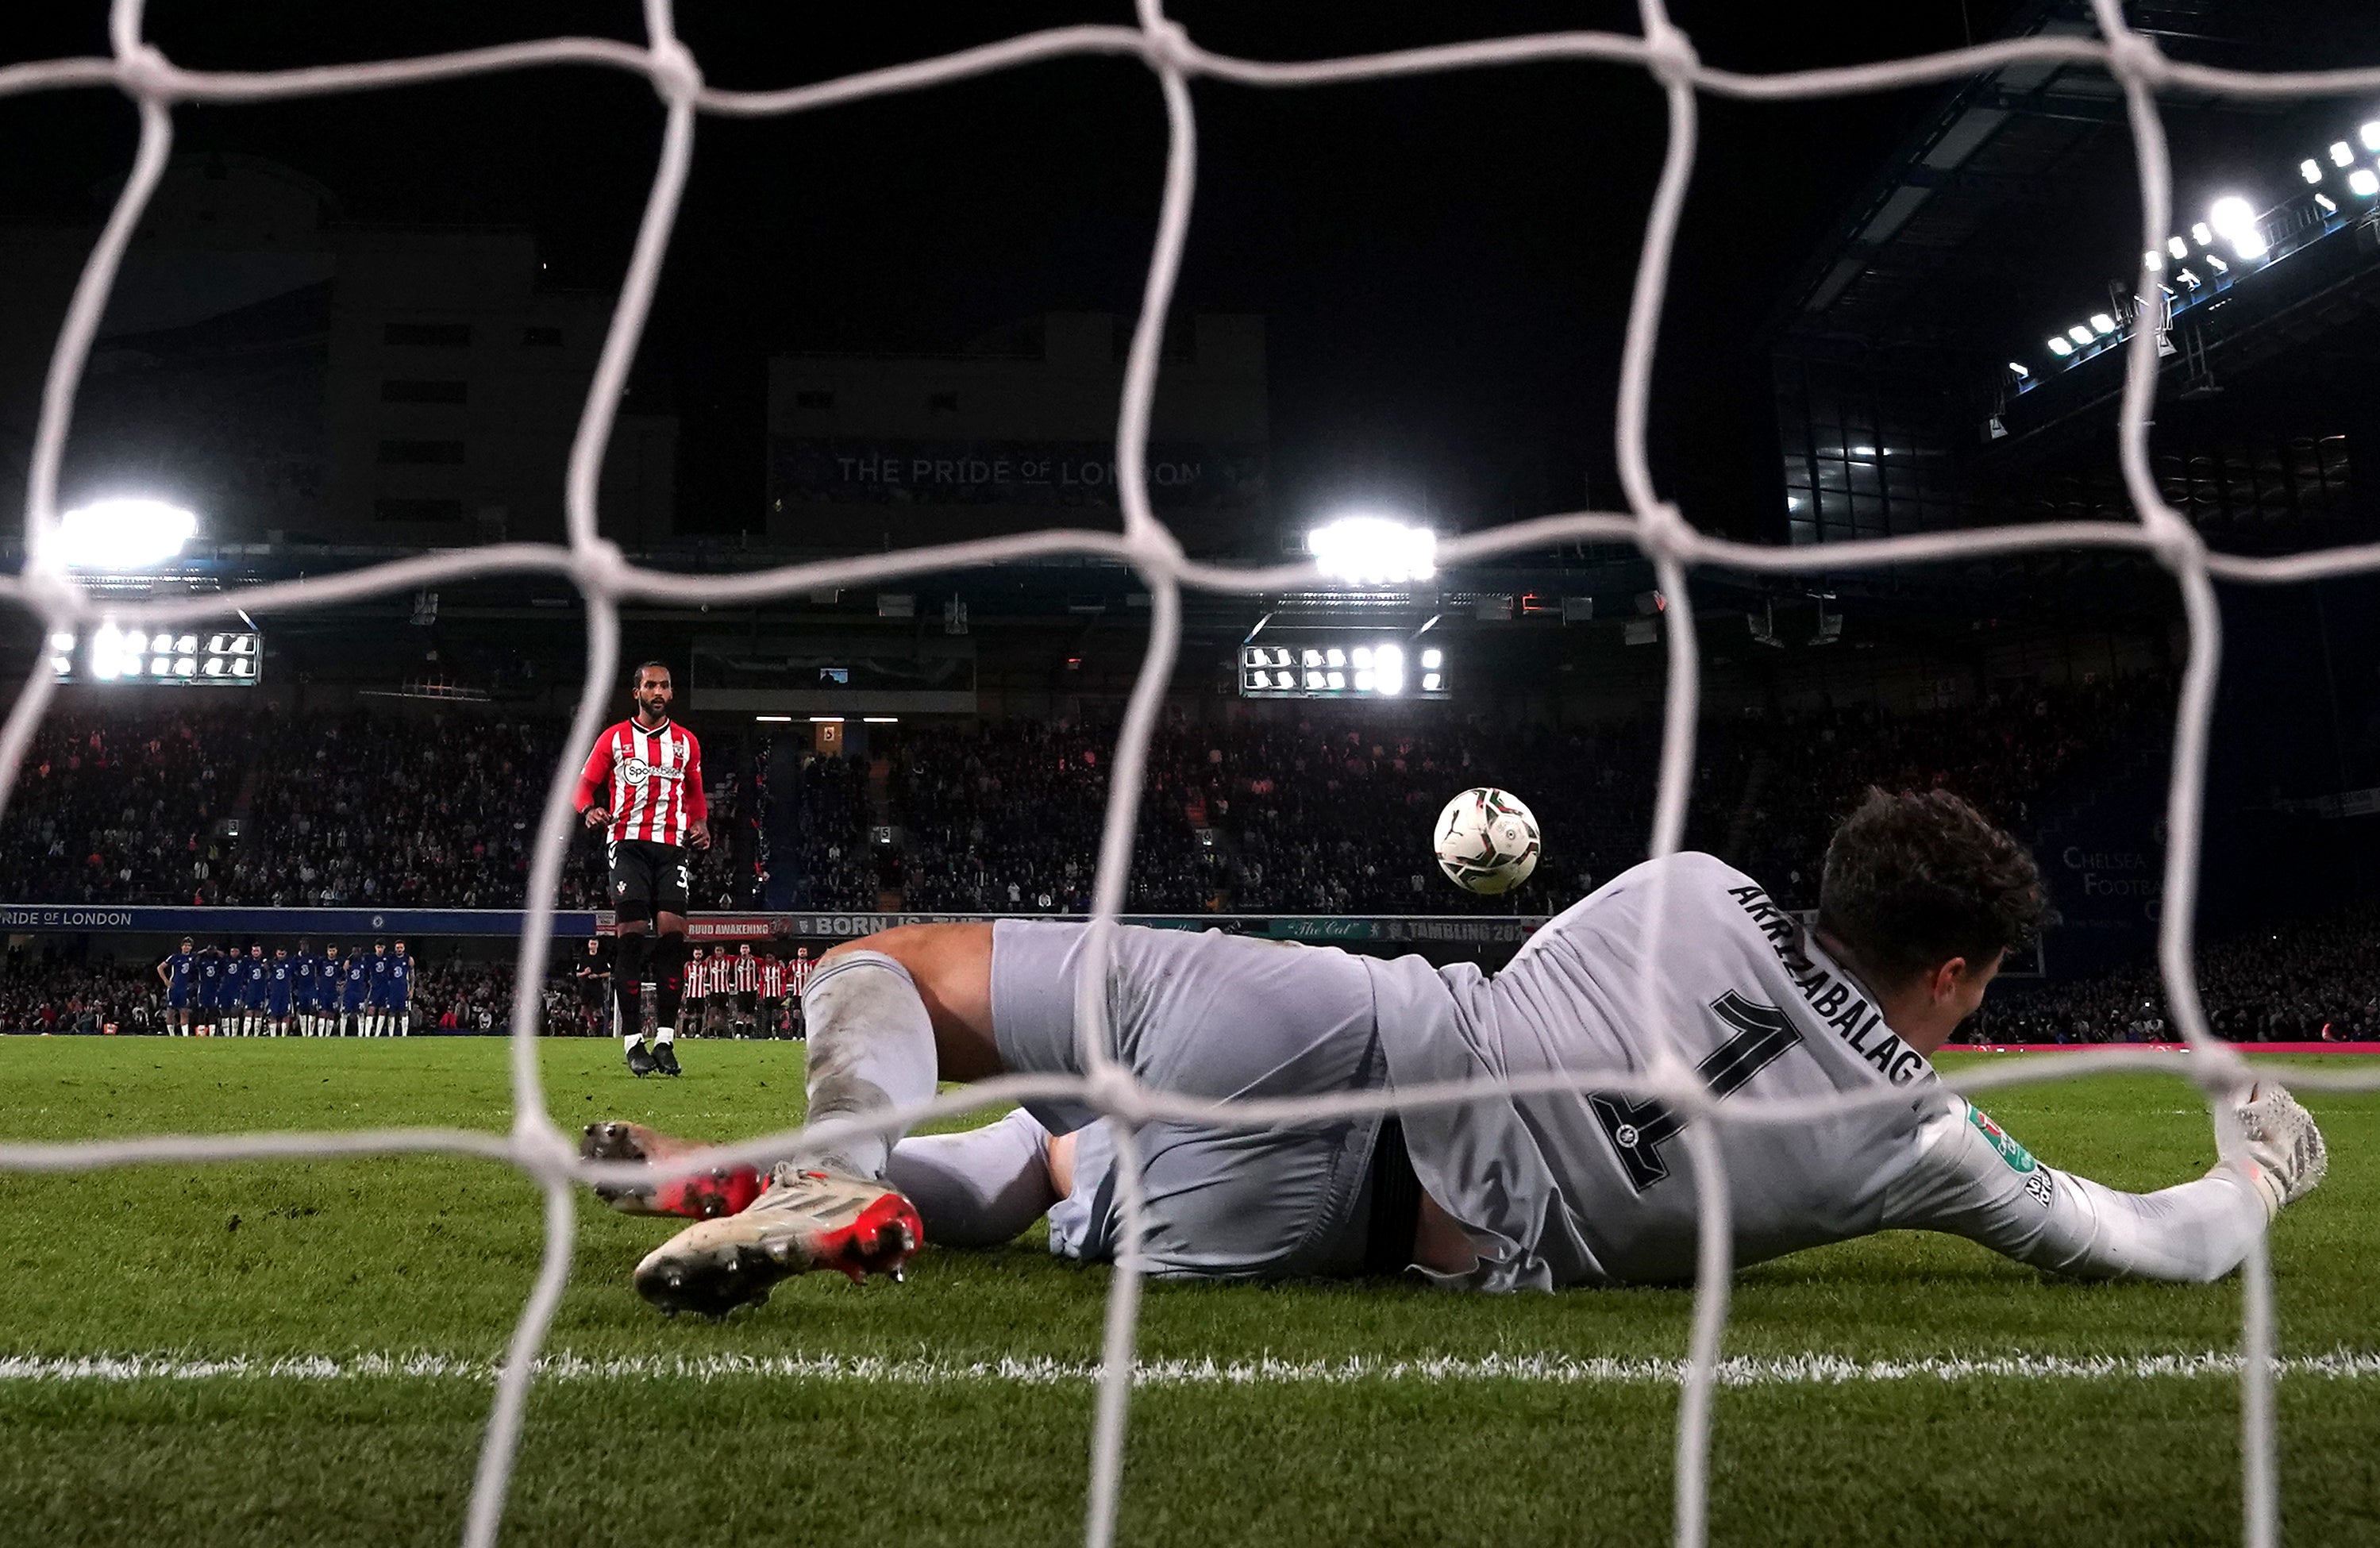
x,y
628,985
669,975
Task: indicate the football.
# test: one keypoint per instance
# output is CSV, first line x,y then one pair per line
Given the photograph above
x,y
1486,840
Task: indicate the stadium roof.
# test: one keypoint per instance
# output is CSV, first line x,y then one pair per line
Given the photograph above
x,y
2013,197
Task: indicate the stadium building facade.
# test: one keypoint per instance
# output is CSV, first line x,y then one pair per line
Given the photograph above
x,y
1016,432
294,377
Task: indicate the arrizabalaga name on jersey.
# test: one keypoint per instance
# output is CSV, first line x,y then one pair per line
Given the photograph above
x,y
1834,1000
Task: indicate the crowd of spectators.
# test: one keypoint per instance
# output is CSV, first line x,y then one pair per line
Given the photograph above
x,y
125,809
1801,772
241,807
1006,818
2314,980
817,836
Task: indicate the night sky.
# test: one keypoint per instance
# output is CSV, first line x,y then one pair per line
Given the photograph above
x,y
1443,262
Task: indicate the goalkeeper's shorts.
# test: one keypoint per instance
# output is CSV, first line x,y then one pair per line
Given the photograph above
x,y
1213,1015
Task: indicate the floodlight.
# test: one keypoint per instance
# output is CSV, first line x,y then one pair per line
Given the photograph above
x,y
2363,182
2080,335
1431,682
2186,277
2059,347
1309,658
1863,451
1334,656
2202,235
1314,680
115,654
62,641
1337,679
2308,169
1374,551
1392,669
1432,660
61,664
2102,324
2178,247
1363,681
2017,369
123,534
2236,222
1362,655
2340,156
186,666
2370,135
2217,264
2327,207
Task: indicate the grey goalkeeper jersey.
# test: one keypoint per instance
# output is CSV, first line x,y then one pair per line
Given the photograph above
x,y
1597,1188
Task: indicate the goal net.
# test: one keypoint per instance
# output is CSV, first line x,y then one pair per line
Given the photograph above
x,y
1658,529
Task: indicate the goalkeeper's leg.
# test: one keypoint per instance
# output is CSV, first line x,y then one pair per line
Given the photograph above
x,y
874,1047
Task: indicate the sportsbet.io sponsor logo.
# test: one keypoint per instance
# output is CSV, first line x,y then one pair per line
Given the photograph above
x,y
636,771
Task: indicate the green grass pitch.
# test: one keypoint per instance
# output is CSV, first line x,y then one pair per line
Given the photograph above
x,y
400,1279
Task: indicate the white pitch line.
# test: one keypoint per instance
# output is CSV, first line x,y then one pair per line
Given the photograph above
x,y
1428,1371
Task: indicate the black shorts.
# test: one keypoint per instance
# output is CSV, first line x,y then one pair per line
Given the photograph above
x,y
647,879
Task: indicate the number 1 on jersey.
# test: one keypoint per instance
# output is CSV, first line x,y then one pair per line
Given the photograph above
x,y
1638,1129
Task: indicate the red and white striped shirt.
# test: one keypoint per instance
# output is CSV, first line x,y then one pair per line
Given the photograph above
x,y
650,780
798,972
772,978
747,970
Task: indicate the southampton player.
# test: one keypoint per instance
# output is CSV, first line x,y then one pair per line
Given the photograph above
x,y
355,990
178,973
1920,901
696,997
744,974
400,991
797,981
643,786
773,996
280,986
719,1008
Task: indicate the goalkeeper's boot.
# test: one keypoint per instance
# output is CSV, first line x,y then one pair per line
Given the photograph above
x,y
697,1196
806,1219
665,1058
640,1061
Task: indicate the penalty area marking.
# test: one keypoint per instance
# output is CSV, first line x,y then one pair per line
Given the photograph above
x,y
1551,1370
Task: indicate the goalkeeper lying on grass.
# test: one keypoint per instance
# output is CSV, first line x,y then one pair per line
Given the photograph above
x,y
1922,899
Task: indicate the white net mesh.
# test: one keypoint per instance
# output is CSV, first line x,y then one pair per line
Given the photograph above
x,y
597,568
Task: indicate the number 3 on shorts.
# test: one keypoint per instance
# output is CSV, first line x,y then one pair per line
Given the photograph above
x,y
685,878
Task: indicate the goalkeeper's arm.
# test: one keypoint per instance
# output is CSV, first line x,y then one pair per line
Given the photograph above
x,y
1972,1179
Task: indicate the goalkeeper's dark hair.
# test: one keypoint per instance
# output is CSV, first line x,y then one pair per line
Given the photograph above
x,y
1916,879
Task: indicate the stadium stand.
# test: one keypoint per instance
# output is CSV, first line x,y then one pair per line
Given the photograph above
x,y
1289,813
210,807
2309,980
